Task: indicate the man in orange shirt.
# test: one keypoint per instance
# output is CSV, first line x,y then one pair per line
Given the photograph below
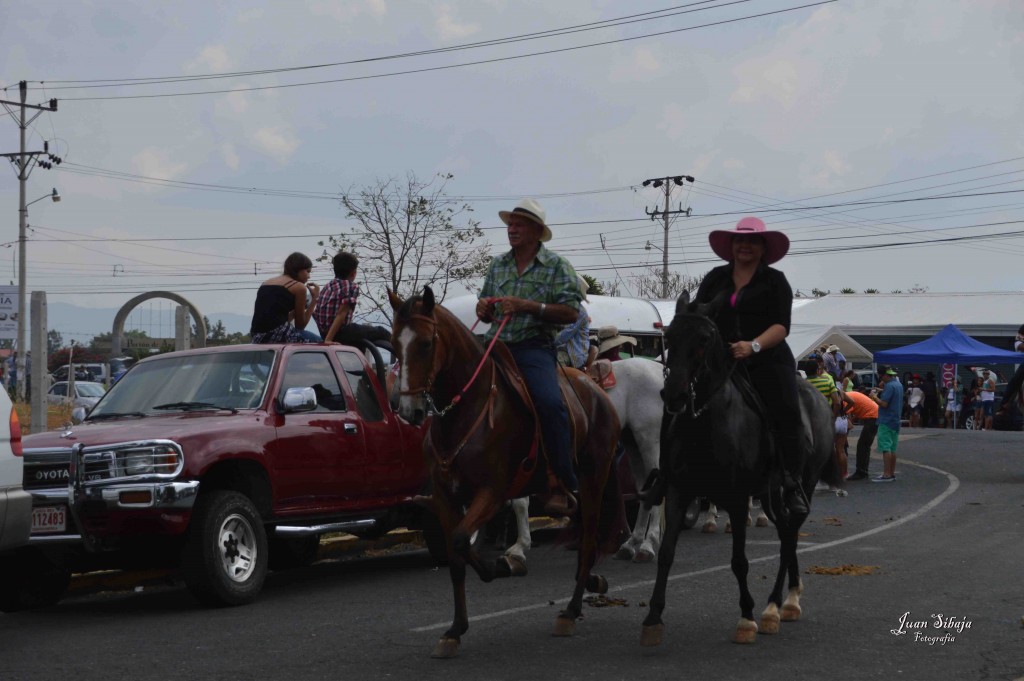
x,y
864,409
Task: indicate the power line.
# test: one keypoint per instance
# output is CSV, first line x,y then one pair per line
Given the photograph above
x,y
566,30
452,66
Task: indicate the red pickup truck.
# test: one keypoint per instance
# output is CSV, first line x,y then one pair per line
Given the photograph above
x,y
223,461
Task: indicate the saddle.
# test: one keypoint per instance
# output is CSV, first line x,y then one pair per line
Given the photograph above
x,y
531,478
602,373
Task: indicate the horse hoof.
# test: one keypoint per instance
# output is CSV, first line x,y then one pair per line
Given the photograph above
x,y
516,565
770,622
746,632
502,568
625,553
644,556
651,635
762,521
564,626
596,584
710,527
791,612
446,648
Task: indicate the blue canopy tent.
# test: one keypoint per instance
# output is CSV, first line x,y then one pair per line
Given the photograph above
x,y
949,346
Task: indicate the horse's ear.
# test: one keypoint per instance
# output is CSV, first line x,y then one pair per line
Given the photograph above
x,y
711,309
682,302
428,300
395,301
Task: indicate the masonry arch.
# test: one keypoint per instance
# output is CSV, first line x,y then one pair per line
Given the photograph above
x,y
122,315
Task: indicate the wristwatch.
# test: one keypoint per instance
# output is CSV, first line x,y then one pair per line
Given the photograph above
x,y
755,346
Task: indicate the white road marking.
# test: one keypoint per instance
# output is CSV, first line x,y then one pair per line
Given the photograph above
x,y
954,484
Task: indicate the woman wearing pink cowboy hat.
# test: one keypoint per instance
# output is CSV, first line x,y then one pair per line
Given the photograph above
x,y
753,316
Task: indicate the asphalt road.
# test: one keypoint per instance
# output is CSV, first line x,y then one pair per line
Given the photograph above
x,y
944,539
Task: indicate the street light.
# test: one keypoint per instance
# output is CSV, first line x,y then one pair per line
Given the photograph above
x,y
20,348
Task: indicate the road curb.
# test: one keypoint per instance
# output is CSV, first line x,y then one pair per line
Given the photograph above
x,y
332,547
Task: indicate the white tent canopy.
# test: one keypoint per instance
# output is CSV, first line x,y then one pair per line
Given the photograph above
x,y
804,339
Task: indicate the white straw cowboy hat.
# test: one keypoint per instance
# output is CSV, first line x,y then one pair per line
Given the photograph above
x,y
530,210
609,338
833,348
776,244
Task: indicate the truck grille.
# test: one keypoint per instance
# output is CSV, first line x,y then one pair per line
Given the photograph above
x,y
149,460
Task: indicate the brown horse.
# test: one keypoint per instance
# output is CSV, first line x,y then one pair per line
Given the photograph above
x,y
481,447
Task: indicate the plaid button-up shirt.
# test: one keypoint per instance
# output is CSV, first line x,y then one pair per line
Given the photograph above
x,y
333,295
549,279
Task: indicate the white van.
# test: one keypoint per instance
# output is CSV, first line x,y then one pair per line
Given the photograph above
x,y
15,502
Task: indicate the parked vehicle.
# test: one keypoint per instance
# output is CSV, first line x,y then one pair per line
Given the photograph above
x,y
224,462
85,394
83,372
15,502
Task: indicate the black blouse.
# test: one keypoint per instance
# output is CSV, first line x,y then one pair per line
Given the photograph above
x,y
766,300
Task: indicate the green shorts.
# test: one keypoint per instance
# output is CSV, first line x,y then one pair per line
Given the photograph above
x,y
887,438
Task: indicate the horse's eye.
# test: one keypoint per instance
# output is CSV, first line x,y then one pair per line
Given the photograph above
x,y
424,345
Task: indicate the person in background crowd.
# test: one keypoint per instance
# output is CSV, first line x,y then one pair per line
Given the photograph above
x,y
824,383
915,402
849,381
930,407
888,402
976,401
609,342
988,396
862,408
281,311
838,359
954,403
831,361
573,342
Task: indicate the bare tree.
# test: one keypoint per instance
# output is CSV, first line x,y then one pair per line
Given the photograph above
x,y
648,284
407,236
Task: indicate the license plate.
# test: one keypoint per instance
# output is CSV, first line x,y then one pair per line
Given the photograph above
x,y
46,519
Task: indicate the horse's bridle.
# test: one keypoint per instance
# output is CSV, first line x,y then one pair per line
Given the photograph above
x,y
425,391
694,379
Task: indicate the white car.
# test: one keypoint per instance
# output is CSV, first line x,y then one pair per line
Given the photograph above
x,y
15,502
86,394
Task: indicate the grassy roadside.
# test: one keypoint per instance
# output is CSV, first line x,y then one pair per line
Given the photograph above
x,y
56,416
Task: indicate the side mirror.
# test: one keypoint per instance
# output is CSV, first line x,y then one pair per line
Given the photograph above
x,y
77,415
299,400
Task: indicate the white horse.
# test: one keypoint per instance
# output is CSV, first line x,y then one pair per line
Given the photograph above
x,y
637,400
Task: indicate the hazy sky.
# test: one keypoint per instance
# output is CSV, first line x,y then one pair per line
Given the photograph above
x,y
865,102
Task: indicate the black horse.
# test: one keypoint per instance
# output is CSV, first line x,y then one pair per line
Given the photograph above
x,y
720,448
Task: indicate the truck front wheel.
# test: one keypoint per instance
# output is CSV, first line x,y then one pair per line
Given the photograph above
x,y
225,558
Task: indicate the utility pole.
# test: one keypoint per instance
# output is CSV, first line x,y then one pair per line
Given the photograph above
x,y
24,162
668,183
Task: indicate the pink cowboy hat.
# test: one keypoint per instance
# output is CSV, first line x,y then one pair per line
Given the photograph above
x,y
776,244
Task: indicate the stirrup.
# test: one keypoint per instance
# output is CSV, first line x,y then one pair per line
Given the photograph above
x,y
653,491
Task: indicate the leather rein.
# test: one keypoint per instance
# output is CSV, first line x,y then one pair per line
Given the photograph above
x,y
692,392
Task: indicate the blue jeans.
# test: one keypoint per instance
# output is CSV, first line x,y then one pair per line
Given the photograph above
x,y
539,366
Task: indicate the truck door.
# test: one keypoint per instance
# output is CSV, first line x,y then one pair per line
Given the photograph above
x,y
393,468
319,456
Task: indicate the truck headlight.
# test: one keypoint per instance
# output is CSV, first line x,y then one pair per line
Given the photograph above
x,y
159,459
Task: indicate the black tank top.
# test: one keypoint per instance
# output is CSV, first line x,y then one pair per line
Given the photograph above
x,y
273,303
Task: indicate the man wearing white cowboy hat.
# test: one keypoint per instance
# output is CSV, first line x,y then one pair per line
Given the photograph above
x,y
539,289
753,315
